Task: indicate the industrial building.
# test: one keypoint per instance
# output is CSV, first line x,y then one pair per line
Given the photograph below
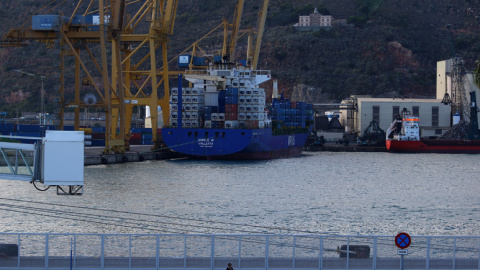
x,y
436,115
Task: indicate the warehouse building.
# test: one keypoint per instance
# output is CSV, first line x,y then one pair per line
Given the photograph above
x,y
435,116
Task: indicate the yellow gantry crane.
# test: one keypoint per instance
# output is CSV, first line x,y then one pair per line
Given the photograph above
x,y
130,76
126,82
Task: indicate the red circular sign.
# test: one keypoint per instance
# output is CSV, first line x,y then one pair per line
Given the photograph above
x,y
403,240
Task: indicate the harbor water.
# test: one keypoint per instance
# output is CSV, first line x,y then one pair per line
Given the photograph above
x,y
318,193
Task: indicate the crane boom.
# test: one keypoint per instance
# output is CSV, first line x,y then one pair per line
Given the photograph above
x,y
261,28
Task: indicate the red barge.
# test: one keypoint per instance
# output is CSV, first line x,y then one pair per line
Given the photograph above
x,y
403,136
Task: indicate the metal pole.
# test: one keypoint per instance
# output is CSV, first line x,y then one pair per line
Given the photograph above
x,y
401,262
71,253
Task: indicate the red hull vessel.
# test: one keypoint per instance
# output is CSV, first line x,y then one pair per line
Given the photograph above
x,y
434,146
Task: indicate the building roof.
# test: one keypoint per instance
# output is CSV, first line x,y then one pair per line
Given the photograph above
x,y
400,100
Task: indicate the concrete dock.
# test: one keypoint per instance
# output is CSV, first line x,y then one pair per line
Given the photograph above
x,y
137,153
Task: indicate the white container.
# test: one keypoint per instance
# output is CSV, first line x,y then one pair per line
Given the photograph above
x,y
242,116
187,107
261,124
208,124
261,101
242,108
188,91
248,116
174,99
211,98
255,100
242,124
198,99
255,116
248,99
249,92
261,116
194,116
188,99
242,100
241,92
255,108
174,123
174,92
197,91
215,117
188,123
249,108
231,124
221,117
195,124
173,107
188,115
174,115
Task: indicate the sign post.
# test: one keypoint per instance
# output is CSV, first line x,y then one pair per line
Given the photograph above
x,y
402,241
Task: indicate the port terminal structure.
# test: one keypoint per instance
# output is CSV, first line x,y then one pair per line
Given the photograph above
x,y
54,160
130,75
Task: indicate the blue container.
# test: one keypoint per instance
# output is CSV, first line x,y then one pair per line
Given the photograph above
x,y
7,127
222,95
136,130
69,128
231,100
208,116
199,61
309,106
146,131
102,130
221,107
46,22
27,134
28,128
147,137
217,59
232,91
147,142
211,109
184,60
98,142
301,105
214,124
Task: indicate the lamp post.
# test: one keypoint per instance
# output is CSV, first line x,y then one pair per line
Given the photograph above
x,y
42,94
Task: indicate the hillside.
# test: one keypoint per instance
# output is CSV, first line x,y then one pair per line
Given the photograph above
x,y
390,47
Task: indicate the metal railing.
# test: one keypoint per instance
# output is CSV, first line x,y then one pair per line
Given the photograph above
x,y
159,251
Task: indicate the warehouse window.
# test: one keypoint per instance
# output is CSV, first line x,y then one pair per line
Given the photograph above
x,y
435,116
416,111
376,114
395,112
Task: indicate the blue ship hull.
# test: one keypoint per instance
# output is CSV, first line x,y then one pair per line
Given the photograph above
x,y
233,144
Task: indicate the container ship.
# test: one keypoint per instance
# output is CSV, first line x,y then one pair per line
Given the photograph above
x,y
225,116
403,136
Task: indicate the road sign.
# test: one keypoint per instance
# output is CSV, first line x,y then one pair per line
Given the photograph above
x,y
403,240
402,251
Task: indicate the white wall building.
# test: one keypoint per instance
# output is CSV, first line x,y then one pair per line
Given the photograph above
x,y
315,19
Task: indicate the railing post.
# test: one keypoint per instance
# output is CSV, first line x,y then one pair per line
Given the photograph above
x,y
46,251
185,253
427,265
240,251
18,260
294,241
157,253
130,251
320,255
102,252
266,252
74,251
348,251
212,252
374,255
454,250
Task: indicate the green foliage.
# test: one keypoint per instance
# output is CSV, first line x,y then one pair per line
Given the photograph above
x,y
280,56
369,7
358,21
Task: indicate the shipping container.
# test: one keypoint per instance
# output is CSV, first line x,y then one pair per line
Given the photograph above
x,y
231,116
98,142
199,61
184,60
231,91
